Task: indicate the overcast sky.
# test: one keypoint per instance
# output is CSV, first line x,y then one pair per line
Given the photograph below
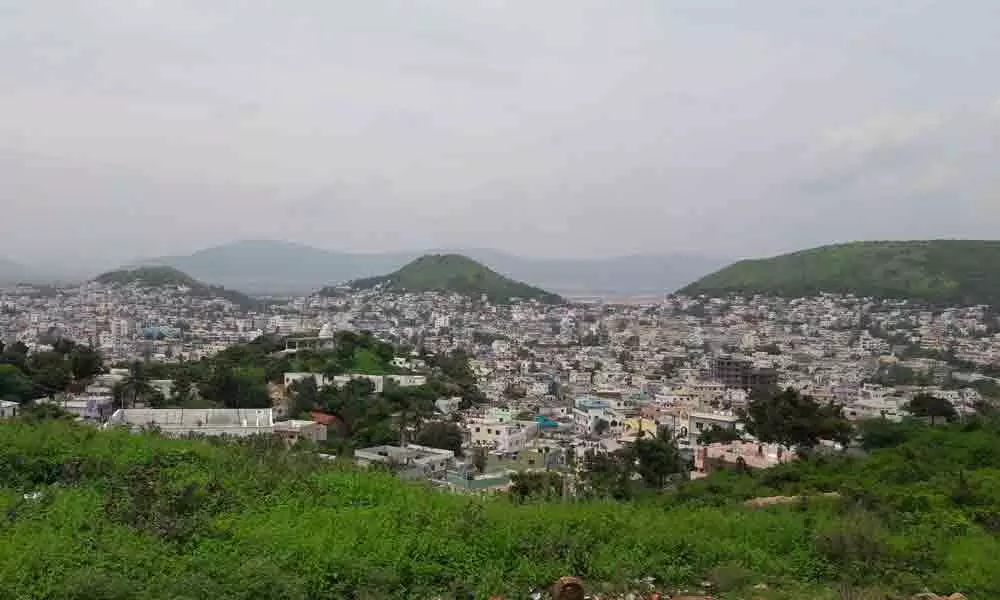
x,y
732,128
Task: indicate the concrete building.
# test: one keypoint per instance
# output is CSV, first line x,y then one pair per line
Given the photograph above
x,y
740,373
737,455
295,430
501,437
238,422
8,409
411,462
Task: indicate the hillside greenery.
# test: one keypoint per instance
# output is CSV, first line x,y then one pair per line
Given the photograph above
x,y
456,274
937,271
163,277
107,515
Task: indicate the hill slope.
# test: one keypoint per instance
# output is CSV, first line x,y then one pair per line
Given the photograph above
x,y
942,271
157,277
269,266
458,274
193,519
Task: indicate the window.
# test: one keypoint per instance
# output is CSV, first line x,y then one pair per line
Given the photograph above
x,y
477,430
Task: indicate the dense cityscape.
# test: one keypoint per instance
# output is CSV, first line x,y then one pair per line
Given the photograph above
x,y
574,378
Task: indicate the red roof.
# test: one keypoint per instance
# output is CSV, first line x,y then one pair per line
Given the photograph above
x,y
322,418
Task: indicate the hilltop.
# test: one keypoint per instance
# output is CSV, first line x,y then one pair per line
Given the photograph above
x,y
272,266
458,274
936,271
159,277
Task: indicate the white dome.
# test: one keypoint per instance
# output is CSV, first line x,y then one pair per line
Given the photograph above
x,y
326,332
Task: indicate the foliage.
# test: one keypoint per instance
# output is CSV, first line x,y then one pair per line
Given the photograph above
x,y
536,485
14,385
657,458
440,434
931,407
717,434
457,274
120,515
954,272
26,376
794,420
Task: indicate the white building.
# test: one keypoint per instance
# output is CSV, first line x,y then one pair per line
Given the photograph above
x,y
8,409
239,422
501,437
411,461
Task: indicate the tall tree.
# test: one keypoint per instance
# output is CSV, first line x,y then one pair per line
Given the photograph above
x,y
657,458
85,362
304,397
931,407
795,420
183,390
50,372
14,385
440,434
135,387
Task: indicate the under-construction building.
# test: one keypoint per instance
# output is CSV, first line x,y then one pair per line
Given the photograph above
x,y
740,373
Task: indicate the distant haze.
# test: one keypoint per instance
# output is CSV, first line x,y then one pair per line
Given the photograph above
x,y
261,266
555,129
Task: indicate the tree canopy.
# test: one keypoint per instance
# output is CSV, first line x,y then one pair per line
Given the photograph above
x,y
795,420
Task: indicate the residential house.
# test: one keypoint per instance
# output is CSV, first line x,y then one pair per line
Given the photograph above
x,y
8,409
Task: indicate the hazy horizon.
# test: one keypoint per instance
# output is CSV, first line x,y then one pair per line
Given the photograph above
x,y
569,128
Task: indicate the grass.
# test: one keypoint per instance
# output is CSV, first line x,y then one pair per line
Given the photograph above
x,y
127,516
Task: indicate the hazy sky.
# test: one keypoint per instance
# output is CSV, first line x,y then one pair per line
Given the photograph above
x,y
544,127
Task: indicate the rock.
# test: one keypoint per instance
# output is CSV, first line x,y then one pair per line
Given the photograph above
x,y
957,596
568,588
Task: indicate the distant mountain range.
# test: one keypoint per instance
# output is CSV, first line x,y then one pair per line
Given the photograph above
x,y
264,266
937,271
160,276
457,274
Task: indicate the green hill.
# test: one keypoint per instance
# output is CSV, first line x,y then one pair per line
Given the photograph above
x,y
458,274
937,271
160,277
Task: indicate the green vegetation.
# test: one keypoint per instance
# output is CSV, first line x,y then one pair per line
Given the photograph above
x,y
25,377
939,271
457,274
161,277
125,516
792,419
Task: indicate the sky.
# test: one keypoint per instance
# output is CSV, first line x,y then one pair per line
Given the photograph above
x,y
137,128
